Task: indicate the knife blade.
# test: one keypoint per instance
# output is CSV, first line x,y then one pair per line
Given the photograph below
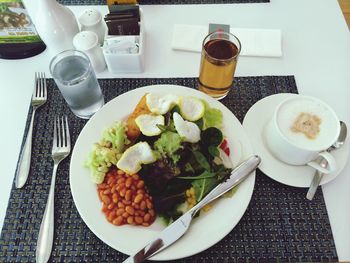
x,y
179,227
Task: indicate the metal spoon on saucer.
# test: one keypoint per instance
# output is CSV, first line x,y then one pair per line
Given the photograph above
x,y
318,176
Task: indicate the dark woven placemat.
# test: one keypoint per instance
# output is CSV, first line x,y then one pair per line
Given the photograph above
x,y
279,224
164,2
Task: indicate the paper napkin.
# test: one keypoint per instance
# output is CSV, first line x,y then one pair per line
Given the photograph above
x,y
255,42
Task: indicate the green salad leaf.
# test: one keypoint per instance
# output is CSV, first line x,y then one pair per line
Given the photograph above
x,y
204,186
212,117
168,144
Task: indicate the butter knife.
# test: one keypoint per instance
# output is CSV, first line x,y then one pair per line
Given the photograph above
x,y
177,229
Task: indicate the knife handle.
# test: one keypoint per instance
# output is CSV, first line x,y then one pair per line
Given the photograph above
x,y
237,176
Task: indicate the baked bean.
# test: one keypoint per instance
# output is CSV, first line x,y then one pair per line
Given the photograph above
x,y
111,206
140,191
118,221
151,212
149,204
138,220
107,191
140,184
120,172
125,200
120,211
128,182
130,220
102,186
147,217
128,195
122,192
138,198
106,199
143,205
130,210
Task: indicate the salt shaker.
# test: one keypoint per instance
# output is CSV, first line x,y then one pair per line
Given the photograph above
x,y
87,41
91,20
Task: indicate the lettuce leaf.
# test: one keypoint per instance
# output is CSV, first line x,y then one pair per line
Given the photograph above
x,y
212,117
168,144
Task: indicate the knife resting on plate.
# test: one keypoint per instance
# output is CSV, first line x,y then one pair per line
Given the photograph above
x,y
178,228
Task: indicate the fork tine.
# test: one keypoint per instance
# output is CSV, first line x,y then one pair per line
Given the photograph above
x,y
36,84
44,86
54,134
67,133
64,144
59,132
42,78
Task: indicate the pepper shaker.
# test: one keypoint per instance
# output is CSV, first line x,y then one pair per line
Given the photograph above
x,y
91,20
87,41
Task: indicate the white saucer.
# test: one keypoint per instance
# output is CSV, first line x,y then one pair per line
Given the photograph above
x,y
297,176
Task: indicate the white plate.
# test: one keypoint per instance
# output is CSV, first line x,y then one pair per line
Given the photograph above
x,y
205,230
299,176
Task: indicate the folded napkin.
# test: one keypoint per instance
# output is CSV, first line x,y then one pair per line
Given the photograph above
x,y
255,42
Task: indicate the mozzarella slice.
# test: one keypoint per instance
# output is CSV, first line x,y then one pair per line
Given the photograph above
x,y
189,131
147,124
192,109
161,104
131,160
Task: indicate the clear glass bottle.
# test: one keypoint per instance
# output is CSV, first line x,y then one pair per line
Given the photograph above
x,y
18,37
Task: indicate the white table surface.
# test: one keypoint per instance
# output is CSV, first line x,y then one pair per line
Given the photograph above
x,y
316,50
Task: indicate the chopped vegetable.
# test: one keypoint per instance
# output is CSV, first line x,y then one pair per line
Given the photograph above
x,y
100,160
105,153
116,136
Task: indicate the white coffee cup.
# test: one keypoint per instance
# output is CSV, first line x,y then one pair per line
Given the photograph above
x,y
294,147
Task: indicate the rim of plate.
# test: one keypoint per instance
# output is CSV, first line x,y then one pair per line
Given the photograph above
x,y
245,190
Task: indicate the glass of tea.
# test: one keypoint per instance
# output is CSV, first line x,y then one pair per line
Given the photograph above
x,y
220,52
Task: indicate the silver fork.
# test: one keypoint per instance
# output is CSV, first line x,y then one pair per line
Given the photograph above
x,y
39,98
60,150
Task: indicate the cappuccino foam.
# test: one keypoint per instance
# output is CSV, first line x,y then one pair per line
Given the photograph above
x,y
328,127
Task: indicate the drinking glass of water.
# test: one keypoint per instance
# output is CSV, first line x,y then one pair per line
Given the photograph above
x,y
75,78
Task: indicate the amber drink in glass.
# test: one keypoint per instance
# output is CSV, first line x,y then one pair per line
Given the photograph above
x,y
220,52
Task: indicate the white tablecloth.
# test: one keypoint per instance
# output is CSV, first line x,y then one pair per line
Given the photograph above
x,y
316,50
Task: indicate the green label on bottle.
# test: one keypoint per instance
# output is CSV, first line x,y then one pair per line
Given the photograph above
x,y
15,24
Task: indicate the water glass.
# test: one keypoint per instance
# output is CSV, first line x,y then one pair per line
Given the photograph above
x,y
76,79
220,52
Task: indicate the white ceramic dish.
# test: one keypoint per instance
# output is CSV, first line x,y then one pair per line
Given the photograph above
x,y
297,176
205,230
